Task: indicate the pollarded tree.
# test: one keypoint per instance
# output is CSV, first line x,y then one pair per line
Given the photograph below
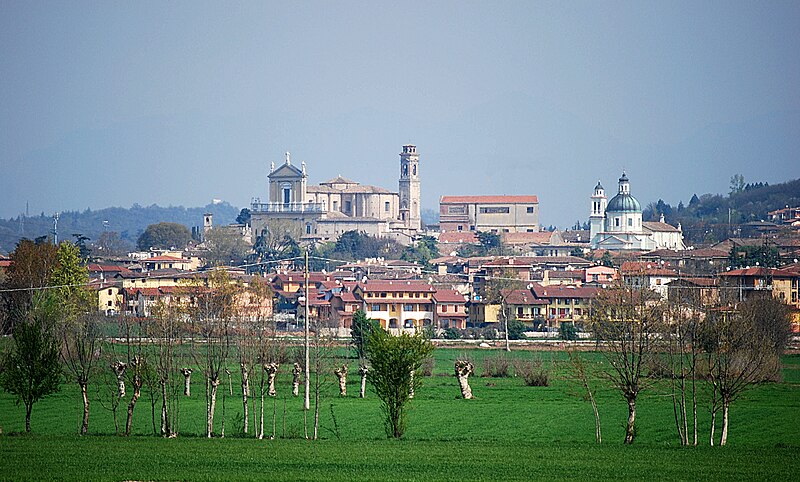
x,y
80,336
743,349
30,369
393,361
626,320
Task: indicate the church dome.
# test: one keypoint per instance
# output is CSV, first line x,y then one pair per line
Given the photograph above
x,y
624,203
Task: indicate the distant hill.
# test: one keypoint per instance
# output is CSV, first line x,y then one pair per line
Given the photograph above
x,y
706,217
128,222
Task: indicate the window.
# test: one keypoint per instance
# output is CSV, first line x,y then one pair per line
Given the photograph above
x,y
348,206
529,210
383,295
414,170
408,324
308,229
456,210
630,221
375,307
616,222
386,206
460,227
408,307
109,303
287,195
109,291
494,210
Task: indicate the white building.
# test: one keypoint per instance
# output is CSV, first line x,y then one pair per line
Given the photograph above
x,y
617,225
325,211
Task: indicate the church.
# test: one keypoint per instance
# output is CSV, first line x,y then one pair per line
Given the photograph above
x,y
617,225
323,212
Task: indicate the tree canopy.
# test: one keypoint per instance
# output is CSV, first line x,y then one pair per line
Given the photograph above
x,y
164,236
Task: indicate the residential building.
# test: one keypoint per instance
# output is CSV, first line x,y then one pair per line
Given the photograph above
x,y
646,275
451,309
397,305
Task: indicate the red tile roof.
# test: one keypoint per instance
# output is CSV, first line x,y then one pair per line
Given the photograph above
x,y
564,291
448,296
523,297
524,238
489,199
395,286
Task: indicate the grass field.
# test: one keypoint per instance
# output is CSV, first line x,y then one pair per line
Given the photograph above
x,y
509,431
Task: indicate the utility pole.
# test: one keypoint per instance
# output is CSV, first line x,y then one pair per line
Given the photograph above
x,y
55,228
307,404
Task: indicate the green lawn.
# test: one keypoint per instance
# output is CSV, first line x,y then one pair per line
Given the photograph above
x,y
509,431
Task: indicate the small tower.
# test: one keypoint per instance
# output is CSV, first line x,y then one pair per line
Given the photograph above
x,y
598,213
208,222
410,188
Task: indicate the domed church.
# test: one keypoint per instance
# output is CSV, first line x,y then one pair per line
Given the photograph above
x,y
617,225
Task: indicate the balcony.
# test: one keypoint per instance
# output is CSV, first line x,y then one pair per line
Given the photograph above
x,y
286,207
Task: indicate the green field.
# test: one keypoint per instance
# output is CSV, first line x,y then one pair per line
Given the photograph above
x,y
509,431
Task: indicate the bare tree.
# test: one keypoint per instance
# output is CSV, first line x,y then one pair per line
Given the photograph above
x,y
626,320
211,318
166,330
743,349
80,351
580,370
681,346
496,291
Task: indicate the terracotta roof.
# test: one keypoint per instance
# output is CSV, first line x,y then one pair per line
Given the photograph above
x,y
106,268
489,199
687,253
542,237
696,281
760,271
395,286
339,180
648,268
659,226
564,291
522,297
164,259
458,237
448,296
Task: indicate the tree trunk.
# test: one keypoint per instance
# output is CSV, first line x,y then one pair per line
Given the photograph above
x,y
165,430
463,370
598,436
362,370
245,393
261,416
272,370
296,379
341,373
187,381
212,405
725,407
119,370
137,391
28,408
84,395
631,427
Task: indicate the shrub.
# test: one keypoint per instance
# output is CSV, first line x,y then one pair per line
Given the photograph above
x,y
496,367
427,366
567,331
516,330
533,373
451,334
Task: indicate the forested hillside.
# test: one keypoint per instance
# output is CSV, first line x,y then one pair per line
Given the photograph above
x,y
707,217
128,222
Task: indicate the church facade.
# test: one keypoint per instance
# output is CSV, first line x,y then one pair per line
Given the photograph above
x,y
323,212
617,225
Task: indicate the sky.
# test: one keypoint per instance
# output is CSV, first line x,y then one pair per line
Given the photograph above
x,y
177,103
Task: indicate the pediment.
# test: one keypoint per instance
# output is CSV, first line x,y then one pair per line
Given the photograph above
x,y
286,171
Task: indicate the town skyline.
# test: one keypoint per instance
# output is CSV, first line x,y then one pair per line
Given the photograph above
x,y
181,105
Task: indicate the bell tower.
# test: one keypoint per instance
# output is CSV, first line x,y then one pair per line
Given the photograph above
x,y
597,217
410,188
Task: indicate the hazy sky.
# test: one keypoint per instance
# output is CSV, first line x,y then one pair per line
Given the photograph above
x,y
110,103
